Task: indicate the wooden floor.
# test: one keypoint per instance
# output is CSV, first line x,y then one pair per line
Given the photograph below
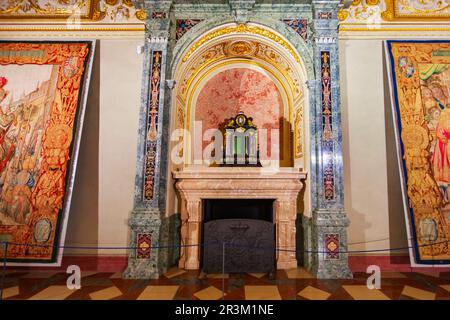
x,y
295,284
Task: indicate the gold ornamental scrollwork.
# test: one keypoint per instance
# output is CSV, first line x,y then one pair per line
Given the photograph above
x,y
141,14
91,10
47,9
373,2
420,10
361,11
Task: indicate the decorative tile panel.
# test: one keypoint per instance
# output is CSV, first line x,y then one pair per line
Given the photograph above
x,y
144,244
159,15
184,25
327,133
152,125
332,246
300,26
324,15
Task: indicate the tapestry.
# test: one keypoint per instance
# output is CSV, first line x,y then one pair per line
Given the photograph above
x,y
420,73
43,90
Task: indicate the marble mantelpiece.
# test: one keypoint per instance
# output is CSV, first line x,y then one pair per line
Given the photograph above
x,y
197,183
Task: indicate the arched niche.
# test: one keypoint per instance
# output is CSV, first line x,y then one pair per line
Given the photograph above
x,y
239,86
251,47
279,55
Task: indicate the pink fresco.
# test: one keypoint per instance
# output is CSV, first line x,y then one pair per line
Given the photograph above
x,y
235,90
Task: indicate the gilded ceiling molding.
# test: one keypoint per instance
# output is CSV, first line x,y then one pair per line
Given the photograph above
x,y
47,9
362,11
416,10
88,10
118,11
394,15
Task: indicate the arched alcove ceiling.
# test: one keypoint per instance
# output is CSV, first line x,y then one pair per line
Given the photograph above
x,y
230,45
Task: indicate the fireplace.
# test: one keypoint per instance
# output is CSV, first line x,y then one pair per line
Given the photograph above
x,y
197,184
238,236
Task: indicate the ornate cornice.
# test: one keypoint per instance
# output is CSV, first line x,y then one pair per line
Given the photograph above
x,y
124,15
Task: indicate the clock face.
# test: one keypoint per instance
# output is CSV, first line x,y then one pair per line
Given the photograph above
x,y
240,120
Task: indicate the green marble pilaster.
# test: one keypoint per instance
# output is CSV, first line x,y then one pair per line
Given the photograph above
x,y
327,257
148,215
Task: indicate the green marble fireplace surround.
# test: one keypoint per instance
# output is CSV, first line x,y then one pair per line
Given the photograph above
x,y
308,26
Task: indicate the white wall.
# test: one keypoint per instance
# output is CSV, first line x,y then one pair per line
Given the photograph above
x,y
364,146
120,74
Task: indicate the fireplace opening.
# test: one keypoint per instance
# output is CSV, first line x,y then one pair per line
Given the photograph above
x,y
245,227
258,209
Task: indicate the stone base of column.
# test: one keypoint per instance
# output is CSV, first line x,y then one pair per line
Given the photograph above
x,y
285,265
192,265
326,242
306,253
149,245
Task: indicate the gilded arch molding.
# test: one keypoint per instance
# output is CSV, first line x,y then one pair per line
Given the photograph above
x,y
274,27
191,106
